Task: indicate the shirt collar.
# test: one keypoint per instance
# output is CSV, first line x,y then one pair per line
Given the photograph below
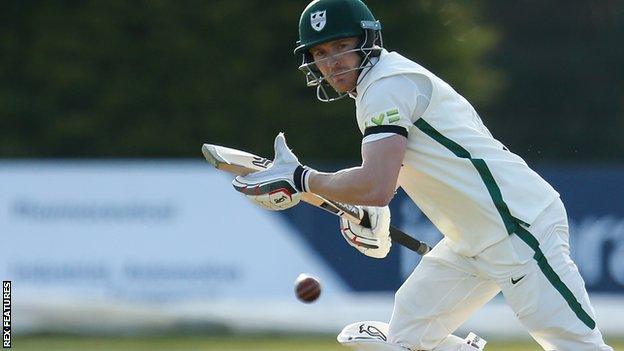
x,y
364,74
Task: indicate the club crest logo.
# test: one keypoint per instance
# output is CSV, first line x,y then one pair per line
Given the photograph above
x,y
318,20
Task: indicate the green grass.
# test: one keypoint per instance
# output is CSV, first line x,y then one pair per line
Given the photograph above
x,y
212,343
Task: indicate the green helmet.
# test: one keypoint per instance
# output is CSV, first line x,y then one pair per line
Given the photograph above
x,y
323,21
326,20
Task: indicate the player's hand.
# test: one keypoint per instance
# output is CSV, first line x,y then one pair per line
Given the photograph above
x,y
374,242
278,187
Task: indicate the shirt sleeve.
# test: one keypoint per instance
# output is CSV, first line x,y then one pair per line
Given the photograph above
x,y
390,105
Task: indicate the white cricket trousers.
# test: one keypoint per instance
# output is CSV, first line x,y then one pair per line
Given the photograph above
x,y
532,268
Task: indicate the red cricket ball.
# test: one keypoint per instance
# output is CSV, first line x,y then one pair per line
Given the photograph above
x,y
307,288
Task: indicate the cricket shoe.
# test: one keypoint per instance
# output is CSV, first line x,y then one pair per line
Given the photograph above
x,y
475,341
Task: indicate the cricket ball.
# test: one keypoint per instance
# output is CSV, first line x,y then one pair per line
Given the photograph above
x,y
307,288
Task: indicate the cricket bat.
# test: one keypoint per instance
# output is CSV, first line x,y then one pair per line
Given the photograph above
x,y
242,163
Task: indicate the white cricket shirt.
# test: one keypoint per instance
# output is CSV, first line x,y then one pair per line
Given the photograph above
x,y
467,183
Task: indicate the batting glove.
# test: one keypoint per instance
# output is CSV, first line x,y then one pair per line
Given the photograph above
x,y
374,242
278,187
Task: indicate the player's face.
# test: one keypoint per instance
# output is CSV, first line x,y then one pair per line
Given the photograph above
x,y
338,66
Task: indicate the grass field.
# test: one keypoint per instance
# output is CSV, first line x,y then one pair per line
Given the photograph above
x,y
195,343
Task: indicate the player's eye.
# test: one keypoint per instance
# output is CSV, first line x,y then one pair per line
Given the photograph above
x,y
318,55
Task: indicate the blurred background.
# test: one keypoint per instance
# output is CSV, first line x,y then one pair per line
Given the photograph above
x,y
113,227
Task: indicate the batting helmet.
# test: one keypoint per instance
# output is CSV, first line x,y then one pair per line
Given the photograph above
x,y
323,21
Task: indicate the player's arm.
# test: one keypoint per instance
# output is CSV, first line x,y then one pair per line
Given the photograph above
x,y
371,184
385,118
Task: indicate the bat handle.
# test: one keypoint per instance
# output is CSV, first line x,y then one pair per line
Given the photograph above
x,y
415,245
398,236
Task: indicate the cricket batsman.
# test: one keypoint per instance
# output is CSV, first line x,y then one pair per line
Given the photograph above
x,y
505,228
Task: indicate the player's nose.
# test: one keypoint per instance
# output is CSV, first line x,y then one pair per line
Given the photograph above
x,y
333,60
334,65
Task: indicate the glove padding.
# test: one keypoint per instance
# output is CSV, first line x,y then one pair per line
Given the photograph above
x,y
374,242
279,186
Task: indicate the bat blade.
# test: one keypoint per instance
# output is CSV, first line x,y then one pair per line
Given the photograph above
x,y
234,161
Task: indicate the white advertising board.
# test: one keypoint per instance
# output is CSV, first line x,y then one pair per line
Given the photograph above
x,y
143,232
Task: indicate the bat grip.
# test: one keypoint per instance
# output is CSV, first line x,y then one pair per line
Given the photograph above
x,y
415,245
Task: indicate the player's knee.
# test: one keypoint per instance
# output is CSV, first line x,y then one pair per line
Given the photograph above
x,y
404,296
408,300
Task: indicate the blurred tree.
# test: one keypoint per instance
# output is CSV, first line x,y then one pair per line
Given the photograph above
x,y
157,78
565,95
